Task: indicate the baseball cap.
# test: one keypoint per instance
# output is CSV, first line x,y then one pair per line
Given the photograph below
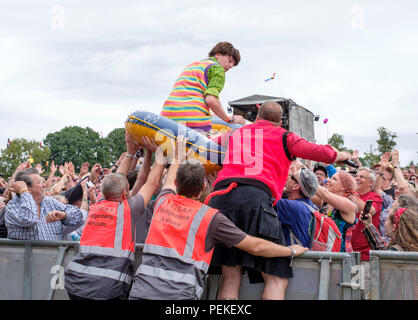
x,y
307,181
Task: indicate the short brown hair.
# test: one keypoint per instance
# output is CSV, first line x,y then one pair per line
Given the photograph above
x,y
226,49
271,111
190,178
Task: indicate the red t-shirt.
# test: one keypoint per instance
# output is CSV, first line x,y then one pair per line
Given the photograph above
x,y
358,240
256,151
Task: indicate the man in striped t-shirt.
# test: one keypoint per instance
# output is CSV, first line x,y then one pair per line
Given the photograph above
x,y
197,89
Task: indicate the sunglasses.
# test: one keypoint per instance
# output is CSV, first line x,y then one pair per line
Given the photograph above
x,y
294,179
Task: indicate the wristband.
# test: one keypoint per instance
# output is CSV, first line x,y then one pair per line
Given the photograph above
x,y
231,119
293,254
129,155
395,167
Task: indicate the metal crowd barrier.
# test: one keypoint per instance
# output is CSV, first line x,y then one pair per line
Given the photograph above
x,y
316,276
34,270
393,275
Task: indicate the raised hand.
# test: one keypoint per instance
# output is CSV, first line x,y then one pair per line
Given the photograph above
x,y
84,169
395,158
39,168
71,170
151,146
61,170
53,167
131,145
95,172
384,161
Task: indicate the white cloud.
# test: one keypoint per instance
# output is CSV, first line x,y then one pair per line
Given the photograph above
x,y
108,60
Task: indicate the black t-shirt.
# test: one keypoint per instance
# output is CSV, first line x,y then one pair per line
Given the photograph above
x,y
390,192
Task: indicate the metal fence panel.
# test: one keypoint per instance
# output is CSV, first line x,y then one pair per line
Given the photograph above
x,y
307,279
394,275
34,270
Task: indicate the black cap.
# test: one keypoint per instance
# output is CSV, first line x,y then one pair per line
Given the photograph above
x,y
322,168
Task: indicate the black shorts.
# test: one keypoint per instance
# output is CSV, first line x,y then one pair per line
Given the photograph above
x,y
250,209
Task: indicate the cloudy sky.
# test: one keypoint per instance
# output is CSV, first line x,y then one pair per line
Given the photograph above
x,y
92,63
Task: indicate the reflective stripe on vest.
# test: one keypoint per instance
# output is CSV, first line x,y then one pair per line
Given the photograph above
x,y
100,272
103,236
189,249
171,276
112,252
178,231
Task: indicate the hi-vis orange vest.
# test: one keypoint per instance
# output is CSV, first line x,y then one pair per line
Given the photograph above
x,y
107,248
177,235
108,227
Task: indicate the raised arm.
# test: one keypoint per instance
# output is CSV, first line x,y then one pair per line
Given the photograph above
x,y
384,164
397,173
178,157
53,169
154,177
346,207
131,148
145,167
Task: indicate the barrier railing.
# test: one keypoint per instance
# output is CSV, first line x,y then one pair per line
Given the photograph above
x,y
35,270
393,275
317,275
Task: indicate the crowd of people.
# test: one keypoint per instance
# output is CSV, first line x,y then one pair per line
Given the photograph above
x,y
259,224
253,216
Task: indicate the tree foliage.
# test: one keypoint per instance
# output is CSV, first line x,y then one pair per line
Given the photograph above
x,y
115,144
21,150
337,141
386,141
77,145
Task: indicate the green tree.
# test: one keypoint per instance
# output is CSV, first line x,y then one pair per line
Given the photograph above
x,y
115,144
337,141
386,141
20,151
77,145
370,158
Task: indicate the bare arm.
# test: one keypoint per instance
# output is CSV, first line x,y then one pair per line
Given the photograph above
x,y
179,156
384,164
143,173
260,247
216,106
131,148
346,206
397,173
59,186
360,204
53,169
317,200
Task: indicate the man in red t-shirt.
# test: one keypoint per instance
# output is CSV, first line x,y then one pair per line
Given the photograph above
x,y
253,176
365,180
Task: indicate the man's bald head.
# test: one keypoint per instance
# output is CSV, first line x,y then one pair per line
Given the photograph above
x,y
271,111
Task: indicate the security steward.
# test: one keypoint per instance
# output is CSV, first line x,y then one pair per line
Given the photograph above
x,y
182,235
104,267
251,181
